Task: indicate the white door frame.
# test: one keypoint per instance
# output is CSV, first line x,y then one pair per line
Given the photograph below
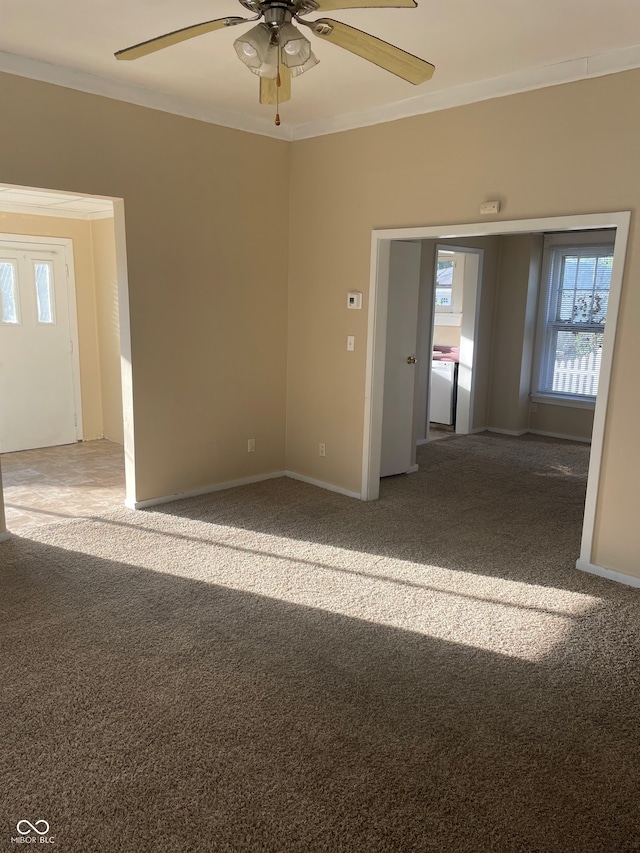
x,y
126,371
378,295
66,244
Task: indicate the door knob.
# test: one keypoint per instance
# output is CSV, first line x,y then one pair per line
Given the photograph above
x,y
411,359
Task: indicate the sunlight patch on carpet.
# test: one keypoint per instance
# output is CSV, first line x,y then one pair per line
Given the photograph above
x,y
495,614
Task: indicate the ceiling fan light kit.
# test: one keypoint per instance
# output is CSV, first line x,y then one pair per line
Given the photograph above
x,y
276,50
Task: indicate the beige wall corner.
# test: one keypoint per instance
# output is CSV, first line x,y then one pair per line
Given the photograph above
x,y
539,154
562,421
446,336
514,331
108,329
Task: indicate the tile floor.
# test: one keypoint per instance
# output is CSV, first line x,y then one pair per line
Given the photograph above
x,y
53,483
438,431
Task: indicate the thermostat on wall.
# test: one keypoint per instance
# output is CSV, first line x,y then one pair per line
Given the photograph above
x,y
354,299
489,207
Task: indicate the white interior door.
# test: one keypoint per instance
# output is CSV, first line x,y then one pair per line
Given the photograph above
x,y
37,400
400,358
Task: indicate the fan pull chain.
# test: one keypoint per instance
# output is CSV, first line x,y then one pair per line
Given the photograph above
x,y
278,84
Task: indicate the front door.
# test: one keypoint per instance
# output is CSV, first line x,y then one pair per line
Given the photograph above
x,y
37,399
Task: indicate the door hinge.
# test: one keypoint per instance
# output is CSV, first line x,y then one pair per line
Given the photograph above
x,y
70,346
66,266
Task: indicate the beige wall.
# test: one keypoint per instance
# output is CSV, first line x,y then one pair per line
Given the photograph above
x,y
542,155
207,265
447,336
514,331
79,231
562,420
108,327
207,270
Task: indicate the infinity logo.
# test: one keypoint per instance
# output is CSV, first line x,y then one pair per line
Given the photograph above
x,y
32,827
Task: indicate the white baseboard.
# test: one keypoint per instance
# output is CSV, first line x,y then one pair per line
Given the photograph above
x,y
520,432
216,487
560,435
422,441
244,481
474,431
413,469
609,574
5,536
329,486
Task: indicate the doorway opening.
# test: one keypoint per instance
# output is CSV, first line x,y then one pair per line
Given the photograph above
x,y
416,380
448,382
66,438
382,241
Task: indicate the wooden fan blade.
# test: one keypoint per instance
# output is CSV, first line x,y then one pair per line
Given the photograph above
x,y
159,43
381,53
268,88
330,5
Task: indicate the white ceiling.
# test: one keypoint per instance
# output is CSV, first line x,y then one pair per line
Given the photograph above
x,y
480,48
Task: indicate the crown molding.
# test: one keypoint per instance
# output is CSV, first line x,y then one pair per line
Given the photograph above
x,y
81,81
571,71
100,214
52,212
482,90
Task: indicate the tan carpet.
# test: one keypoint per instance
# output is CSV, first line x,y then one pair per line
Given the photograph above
x,y
282,669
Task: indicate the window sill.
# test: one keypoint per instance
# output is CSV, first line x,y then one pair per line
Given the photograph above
x,y
559,400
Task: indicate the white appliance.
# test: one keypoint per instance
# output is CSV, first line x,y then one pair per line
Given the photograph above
x,y
443,391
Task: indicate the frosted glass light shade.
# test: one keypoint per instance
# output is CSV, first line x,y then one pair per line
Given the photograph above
x,y
296,49
297,70
256,50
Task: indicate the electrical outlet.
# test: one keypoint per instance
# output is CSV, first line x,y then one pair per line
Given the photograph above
x,y
322,448
251,445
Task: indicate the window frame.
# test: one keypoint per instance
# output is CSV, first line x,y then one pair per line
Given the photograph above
x,y
450,315
556,246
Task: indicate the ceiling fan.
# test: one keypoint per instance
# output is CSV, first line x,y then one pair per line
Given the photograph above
x,y
276,50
